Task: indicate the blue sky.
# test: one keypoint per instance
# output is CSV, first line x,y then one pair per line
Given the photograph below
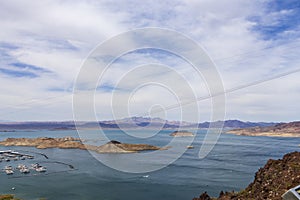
x,y
44,44
285,17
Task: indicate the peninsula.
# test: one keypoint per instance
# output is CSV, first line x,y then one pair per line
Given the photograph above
x,y
75,143
291,129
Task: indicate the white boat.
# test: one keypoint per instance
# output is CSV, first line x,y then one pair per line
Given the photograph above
x,y
8,168
41,169
24,170
9,172
20,166
35,166
6,151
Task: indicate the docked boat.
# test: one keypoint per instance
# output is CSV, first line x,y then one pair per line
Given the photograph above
x,y
9,172
8,167
41,169
35,166
20,166
24,170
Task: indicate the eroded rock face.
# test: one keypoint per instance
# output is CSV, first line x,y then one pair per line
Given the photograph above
x,y
74,143
271,181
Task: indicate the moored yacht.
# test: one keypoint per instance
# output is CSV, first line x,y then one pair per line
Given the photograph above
x,y
9,171
8,167
41,169
24,170
20,166
35,166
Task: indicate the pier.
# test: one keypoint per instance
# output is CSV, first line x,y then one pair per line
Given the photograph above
x,y
9,155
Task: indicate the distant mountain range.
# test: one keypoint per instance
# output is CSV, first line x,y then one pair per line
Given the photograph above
x,y
140,122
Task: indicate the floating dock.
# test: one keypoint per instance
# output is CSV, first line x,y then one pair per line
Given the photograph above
x,y
9,155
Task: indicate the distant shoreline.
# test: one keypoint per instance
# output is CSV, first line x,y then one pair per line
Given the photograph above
x,y
264,134
291,129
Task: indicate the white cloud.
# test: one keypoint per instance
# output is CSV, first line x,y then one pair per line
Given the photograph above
x,y
58,35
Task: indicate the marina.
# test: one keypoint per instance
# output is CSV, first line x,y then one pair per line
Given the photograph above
x,y
10,155
22,163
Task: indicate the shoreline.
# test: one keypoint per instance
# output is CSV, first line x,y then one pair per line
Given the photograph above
x,y
265,134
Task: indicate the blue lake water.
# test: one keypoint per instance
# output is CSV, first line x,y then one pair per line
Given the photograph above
x,y
231,165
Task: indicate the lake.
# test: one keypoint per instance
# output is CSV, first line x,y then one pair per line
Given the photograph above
x,y
231,165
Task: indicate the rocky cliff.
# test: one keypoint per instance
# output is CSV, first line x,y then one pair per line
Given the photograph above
x,y
270,182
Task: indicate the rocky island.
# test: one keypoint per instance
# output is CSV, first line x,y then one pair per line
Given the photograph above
x,y
182,134
75,143
291,129
270,182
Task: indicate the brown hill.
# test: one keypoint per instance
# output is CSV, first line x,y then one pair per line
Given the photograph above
x,y
270,182
291,129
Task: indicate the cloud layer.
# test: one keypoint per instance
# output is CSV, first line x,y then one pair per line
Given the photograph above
x,y
43,45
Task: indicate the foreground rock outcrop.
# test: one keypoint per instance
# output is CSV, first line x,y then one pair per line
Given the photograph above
x,y
75,143
8,197
270,182
291,129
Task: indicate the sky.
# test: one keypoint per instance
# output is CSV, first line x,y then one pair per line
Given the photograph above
x,y
44,45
